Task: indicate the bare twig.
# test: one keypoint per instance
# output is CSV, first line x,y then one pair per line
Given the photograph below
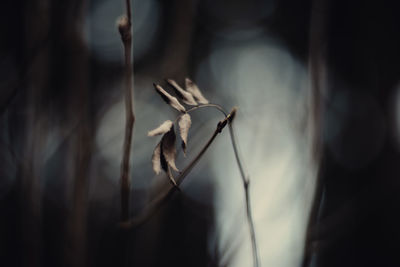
x,y
125,29
246,183
245,179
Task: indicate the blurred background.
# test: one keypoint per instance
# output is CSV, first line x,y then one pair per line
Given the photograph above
x,y
318,127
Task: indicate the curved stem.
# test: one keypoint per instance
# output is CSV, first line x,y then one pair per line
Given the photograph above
x,y
210,105
243,175
216,106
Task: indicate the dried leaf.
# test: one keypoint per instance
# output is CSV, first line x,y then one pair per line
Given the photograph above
x,y
162,129
186,97
163,161
184,124
192,88
168,148
156,159
169,99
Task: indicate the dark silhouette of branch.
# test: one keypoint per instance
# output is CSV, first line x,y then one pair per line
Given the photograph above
x,y
316,61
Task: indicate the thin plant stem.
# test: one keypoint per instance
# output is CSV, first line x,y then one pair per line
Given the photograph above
x,y
245,180
125,29
246,183
128,11
209,105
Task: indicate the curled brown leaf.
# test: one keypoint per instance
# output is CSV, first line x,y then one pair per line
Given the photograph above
x,y
184,125
168,148
192,88
156,159
169,99
186,97
162,129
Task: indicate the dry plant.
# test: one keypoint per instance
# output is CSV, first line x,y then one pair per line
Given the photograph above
x,y
164,154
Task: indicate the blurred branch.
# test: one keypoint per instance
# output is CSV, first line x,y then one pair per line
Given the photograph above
x,y
76,73
317,77
36,81
179,39
36,50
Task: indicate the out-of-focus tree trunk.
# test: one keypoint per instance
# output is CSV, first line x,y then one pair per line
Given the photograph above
x,y
354,221
318,76
175,63
36,30
75,80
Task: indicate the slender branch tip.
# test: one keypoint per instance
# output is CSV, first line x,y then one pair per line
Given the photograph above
x,y
124,28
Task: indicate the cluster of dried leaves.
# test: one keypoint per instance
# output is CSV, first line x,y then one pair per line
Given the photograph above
x,y
164,154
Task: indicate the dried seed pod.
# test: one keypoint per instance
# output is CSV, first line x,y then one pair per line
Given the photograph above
x,y
162,129
184,124
186,97
192,88
168,148
169,99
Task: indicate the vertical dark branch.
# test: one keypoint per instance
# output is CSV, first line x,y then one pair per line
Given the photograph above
x,y
128,11
74,79
81,151
36,32
317,72
317,69
180,39
125,29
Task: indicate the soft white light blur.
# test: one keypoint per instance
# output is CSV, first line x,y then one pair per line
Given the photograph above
x,y
270,88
